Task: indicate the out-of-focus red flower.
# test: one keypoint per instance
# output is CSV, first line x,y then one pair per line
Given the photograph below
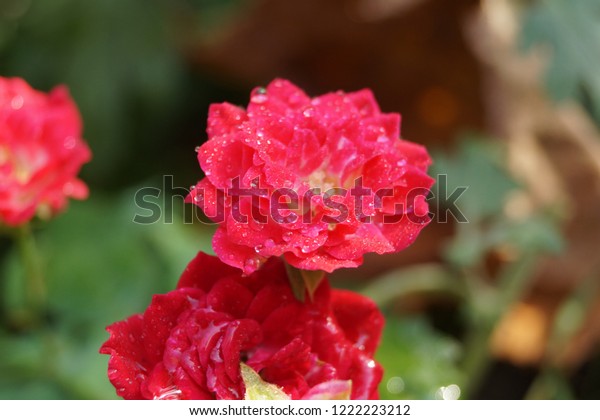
x,y
190,342
320,181
41,151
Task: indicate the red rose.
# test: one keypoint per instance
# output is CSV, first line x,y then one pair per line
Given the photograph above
x,y
41,151
190,342
319,181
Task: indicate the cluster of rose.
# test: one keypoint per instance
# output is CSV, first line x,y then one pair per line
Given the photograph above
x,y
299,187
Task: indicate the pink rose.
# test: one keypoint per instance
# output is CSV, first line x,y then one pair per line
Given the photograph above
x,y
41,151
320,181
190,342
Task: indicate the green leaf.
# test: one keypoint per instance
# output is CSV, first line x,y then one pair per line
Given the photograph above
x,y
303,281
478,166
127,81
100,268
417,279
417,360
257,389
572,30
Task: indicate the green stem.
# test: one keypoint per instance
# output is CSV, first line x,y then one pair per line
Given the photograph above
x,y
512,284
423,278
35,287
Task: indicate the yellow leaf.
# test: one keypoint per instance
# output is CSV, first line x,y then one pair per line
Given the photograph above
x,y
257,389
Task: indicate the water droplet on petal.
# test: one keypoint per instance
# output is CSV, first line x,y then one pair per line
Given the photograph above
x,y
168,393
68,188
17,102
197,149
259,99
259,95
70,142
382,139
251,264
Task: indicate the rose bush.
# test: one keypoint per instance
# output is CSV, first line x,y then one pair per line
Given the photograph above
x,y
190,342
41,151
319,181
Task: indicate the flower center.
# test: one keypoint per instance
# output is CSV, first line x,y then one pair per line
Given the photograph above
x,y
20,170
323,180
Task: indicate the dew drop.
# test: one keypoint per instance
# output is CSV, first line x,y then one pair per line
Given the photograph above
x,y
68,188
197,149
17,102
259,99
168,393
70,142
215,355
251,263
259,96
382,139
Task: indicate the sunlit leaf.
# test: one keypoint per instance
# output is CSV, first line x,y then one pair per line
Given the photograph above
x,y
257,389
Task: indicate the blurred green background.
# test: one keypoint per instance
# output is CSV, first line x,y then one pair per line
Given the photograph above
x,y
505,95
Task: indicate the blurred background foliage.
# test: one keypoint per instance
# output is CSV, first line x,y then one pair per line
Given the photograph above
x,y
504,93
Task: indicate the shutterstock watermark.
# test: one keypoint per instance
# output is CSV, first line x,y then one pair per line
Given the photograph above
x,y
288,206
